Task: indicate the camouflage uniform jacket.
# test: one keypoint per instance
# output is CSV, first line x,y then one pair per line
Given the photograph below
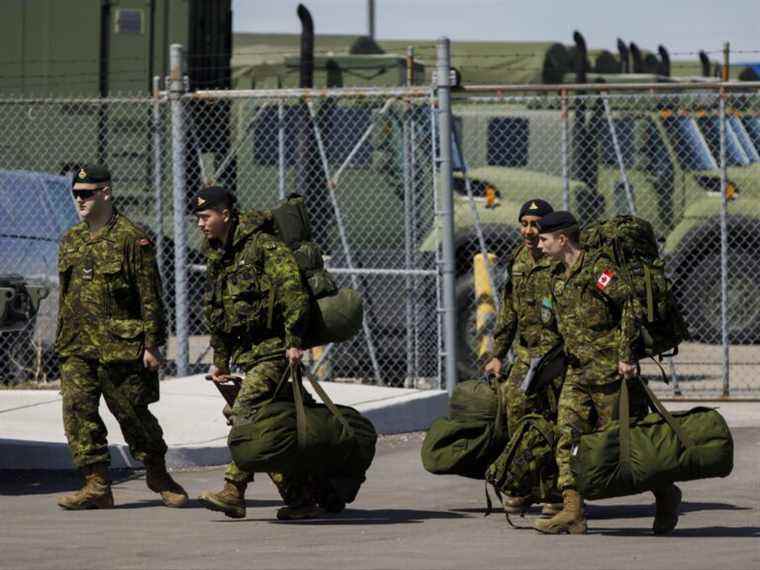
x,y
526,317
595,316
110,303
255,306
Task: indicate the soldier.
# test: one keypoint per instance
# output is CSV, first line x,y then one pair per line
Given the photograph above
x,y
525,324
594,308
257,310
110,329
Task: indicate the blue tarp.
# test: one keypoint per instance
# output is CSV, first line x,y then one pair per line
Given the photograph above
x,y
35,211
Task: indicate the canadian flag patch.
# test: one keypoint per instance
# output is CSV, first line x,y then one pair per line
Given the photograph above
x,y
604,279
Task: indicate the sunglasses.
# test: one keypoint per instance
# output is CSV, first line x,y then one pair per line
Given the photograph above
x,y
85,194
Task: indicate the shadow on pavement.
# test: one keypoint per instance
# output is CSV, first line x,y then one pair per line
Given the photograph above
x,y
704,532
601,512
366,517
34,482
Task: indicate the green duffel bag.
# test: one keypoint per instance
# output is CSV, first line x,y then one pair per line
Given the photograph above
x,y
627,458
469,439
336,318
332,443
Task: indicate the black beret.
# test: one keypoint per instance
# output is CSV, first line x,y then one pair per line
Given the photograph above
x,y
556,221
535,207
92,174
213,198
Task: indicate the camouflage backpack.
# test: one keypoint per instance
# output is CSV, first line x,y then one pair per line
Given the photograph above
x,y
631,243
336,313
527,468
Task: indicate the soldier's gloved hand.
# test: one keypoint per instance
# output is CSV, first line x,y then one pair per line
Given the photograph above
x,y
627,370
152,358
294,355
493,367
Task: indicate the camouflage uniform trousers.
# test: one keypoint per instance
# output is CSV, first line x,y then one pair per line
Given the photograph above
x,y
257,388
517,404
585,408
128,388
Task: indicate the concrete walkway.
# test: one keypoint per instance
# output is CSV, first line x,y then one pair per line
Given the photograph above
x,y
190,413
32,437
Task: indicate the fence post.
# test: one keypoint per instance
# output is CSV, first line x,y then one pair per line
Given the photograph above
x,y
176,90
724,246
158,168
564,153
446,213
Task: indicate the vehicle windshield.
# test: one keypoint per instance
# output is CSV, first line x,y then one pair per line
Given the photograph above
x,y
752,125
744,139
735,155
691,149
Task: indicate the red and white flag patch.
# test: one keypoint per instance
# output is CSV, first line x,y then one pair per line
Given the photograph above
x,y
604,279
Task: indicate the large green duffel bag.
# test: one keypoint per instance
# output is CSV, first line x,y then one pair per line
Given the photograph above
x,y
469,439
628,458
335,318
333,443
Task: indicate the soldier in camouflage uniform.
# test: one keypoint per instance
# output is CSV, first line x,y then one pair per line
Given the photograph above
x,y
526,325
596,318
257,310
110,327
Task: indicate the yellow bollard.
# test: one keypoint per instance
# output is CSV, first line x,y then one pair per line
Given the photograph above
x,y
323,372
485,312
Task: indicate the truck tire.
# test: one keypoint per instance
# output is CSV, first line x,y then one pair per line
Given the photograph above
x,y
700,299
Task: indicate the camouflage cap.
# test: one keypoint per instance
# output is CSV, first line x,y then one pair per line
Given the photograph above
x,y
92,174
556,221
213,198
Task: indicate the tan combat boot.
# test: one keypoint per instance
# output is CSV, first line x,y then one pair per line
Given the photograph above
x,y
548,510
668,501
515,505
96,493
159,481
230,500
570,519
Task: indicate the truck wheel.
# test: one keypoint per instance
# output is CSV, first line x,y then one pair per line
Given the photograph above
x,y
700,299
469,365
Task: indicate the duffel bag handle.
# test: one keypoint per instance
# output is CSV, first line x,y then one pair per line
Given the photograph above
x,y
625,419
296,376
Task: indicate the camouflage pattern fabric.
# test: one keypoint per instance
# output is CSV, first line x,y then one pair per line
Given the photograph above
x,y
128,388
255,304
596,319
258,387
525,323
584,408
109,309
110,293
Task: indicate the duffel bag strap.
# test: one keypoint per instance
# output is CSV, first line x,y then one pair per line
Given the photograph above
x,y
295,379
326,400
625,419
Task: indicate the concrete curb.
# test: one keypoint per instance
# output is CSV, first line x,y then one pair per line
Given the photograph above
x,y
390,410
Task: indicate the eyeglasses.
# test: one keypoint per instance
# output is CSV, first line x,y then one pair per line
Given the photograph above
x,y
86,194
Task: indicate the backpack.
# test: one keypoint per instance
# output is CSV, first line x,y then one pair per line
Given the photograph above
x,y
631,243
336,313
526,467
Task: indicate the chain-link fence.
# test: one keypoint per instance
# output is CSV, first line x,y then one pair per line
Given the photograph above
x,y
665,156
366,161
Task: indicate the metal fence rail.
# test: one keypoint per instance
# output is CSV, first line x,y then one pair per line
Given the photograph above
x,y
404,187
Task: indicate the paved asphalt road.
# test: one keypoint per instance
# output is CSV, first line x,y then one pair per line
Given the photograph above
x,y
403,518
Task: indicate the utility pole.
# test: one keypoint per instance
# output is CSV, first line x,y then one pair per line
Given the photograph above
x,y
371,19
